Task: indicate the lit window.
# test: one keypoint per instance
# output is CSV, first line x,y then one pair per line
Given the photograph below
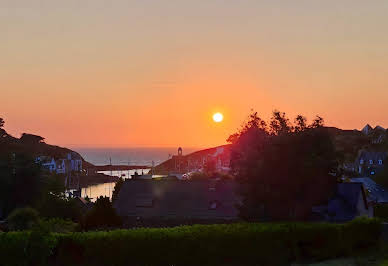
x,y
370,161
380,162
361,161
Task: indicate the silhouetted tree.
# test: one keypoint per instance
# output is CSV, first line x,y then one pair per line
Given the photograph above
x,y
3,133
21,182
22,219
280,124
119,184
284,170
31,139
317,122
300,123
57,206
103,215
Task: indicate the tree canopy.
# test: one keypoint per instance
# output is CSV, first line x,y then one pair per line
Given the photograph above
x,y
119,184
284,168
103,215
21,182
31,139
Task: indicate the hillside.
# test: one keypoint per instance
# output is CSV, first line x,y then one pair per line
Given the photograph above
x,y
348,143
34,146
167,166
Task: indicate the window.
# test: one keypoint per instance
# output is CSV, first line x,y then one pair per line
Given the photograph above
x,y
361,161
370,161
380,162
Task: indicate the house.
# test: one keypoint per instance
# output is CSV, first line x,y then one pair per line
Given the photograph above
x,y
367,129
350,201
75,161
376,193
169,199
47,163
370,163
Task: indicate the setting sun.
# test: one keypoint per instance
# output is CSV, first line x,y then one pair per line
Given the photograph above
x,y
218,117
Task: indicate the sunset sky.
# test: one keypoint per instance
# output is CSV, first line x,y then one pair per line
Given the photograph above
x,y
152,73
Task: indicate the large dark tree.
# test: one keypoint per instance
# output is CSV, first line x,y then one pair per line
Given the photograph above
x,y
103,215
284,168
31,139
3,133
21,182
119,184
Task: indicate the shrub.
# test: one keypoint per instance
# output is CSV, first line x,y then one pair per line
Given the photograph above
x,y
57,225
119,184
22,219
226,244
103,215
361,233
54,206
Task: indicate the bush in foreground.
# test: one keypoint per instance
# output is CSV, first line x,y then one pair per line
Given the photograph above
x,y
233,244
22,219
103,215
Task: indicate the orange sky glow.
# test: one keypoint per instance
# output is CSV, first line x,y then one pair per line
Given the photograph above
x,y
147,74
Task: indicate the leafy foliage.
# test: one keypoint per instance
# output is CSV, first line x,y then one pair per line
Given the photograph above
x,y
119,184
103,215
233,244
57,225
31,139
22,219
21,182
56,206
284,168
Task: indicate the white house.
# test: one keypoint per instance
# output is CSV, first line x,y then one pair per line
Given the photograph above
x,y
47,163
73,162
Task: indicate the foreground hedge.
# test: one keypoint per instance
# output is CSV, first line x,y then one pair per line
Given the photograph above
x,y
232,244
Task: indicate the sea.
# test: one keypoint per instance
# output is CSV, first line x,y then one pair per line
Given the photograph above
x,y
129,156
123,156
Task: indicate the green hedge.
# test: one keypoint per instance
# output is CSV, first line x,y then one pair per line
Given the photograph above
x,y
232,244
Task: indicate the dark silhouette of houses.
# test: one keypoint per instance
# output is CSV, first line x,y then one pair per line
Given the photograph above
x,y
370,163
169,199
349,202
